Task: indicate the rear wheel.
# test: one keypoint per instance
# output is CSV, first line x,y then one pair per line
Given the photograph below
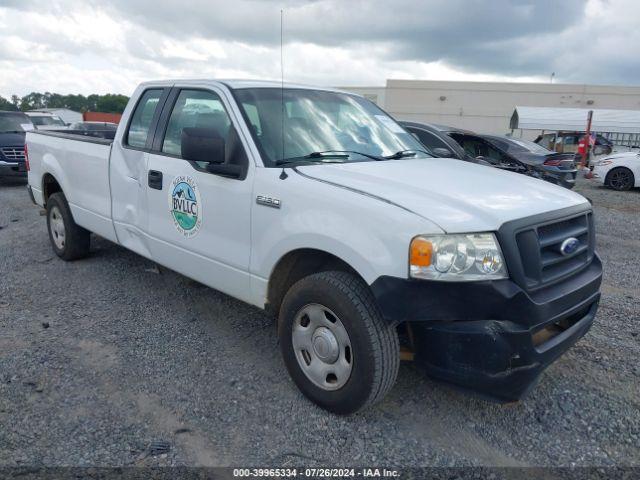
x,y
620,178
337,348
69,240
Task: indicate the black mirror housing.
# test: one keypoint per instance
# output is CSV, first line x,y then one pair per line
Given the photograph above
x,y
202,145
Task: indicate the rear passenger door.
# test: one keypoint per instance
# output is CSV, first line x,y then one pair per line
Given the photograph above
x,y
199,222
128,169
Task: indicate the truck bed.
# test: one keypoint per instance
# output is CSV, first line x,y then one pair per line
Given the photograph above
x,y
80,165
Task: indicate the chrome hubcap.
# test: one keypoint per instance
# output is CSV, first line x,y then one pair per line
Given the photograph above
x,y
322,347
56,224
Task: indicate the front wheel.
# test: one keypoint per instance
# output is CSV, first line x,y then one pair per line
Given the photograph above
x,y
337,347
620,179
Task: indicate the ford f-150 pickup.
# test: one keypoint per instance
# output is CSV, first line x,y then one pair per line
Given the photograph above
x,y
316,206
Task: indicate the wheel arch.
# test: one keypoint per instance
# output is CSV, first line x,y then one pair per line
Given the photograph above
x,y
50,185
296,265
621,167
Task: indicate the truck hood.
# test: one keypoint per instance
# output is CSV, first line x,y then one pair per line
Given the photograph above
x,y
12,139
457,196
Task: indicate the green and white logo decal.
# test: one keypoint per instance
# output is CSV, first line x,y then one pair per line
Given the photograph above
x,y
185,205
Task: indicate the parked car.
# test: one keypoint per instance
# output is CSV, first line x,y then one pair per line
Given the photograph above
x,y
541,163
620,171
95,129
46,121
13,126
501,152
316,206
439,139
567,142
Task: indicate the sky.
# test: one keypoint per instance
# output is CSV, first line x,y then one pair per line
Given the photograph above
x,y
109,46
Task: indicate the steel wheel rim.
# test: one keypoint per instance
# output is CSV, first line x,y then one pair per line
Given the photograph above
x,y
56,225
619,179
322,347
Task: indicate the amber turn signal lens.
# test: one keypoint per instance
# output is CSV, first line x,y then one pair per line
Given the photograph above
x,y
421,252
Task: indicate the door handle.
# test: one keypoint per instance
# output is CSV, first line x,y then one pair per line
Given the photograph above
x,y
155,179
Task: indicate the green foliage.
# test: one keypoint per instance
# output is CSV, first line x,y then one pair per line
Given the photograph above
x,y
109,103
6,104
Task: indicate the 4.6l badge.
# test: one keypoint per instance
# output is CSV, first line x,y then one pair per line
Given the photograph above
x,y
185,205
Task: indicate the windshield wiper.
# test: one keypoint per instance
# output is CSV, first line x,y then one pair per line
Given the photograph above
x,y
404,154
320,157
13,131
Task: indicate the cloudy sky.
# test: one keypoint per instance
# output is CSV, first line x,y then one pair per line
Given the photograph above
x,y
102,46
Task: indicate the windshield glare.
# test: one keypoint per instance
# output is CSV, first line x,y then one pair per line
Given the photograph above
x,y
319,121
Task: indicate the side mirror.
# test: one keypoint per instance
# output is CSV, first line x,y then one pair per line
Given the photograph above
x,y
202,145
442,152
226,170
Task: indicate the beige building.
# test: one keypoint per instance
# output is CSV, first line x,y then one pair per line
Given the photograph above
x,y
486,107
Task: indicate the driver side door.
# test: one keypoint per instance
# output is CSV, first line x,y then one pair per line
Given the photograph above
x,y
199,222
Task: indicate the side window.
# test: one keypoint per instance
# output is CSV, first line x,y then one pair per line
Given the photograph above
x,y
142,117
430,140
195,108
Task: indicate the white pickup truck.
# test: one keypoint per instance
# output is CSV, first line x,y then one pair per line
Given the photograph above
x,y
316,206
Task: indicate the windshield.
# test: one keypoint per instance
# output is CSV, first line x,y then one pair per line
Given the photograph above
x,y
13,122
530,146
46,120
320,121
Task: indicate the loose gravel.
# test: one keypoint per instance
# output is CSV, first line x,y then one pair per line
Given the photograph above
x,y
110,361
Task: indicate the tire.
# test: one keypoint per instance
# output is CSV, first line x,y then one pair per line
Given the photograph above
x,y
69,240
370,351
620,178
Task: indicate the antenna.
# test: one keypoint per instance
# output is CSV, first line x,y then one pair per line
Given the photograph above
x,y
283,174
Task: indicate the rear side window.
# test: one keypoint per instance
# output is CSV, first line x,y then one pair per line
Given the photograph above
x,y
142,117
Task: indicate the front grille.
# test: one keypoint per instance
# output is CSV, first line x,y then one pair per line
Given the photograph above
x,y
533,251
13,154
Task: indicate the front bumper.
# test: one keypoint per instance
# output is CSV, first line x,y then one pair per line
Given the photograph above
x,y
12,169
600,173
491,337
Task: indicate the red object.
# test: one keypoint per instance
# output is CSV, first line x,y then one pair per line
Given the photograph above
x,y
101,117
26,157
553,162
586,141
582,146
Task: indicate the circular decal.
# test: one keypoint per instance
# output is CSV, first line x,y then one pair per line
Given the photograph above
x,y
185,205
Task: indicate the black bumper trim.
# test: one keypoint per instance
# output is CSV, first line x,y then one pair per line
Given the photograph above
x,y
479,335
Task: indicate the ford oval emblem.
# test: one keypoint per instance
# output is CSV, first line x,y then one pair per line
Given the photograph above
x,y
569,246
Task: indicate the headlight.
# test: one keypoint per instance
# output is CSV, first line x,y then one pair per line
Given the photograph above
x,y
602,163
456,258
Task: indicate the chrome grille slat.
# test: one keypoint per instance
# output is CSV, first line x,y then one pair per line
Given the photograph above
x,y
13,153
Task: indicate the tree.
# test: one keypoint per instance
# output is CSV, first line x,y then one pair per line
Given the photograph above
x,y
32,101
6,104
109,103
112,103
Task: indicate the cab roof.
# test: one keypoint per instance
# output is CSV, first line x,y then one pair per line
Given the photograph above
x,y
236,84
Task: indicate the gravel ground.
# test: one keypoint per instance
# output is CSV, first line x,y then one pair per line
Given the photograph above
x,y
100,358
